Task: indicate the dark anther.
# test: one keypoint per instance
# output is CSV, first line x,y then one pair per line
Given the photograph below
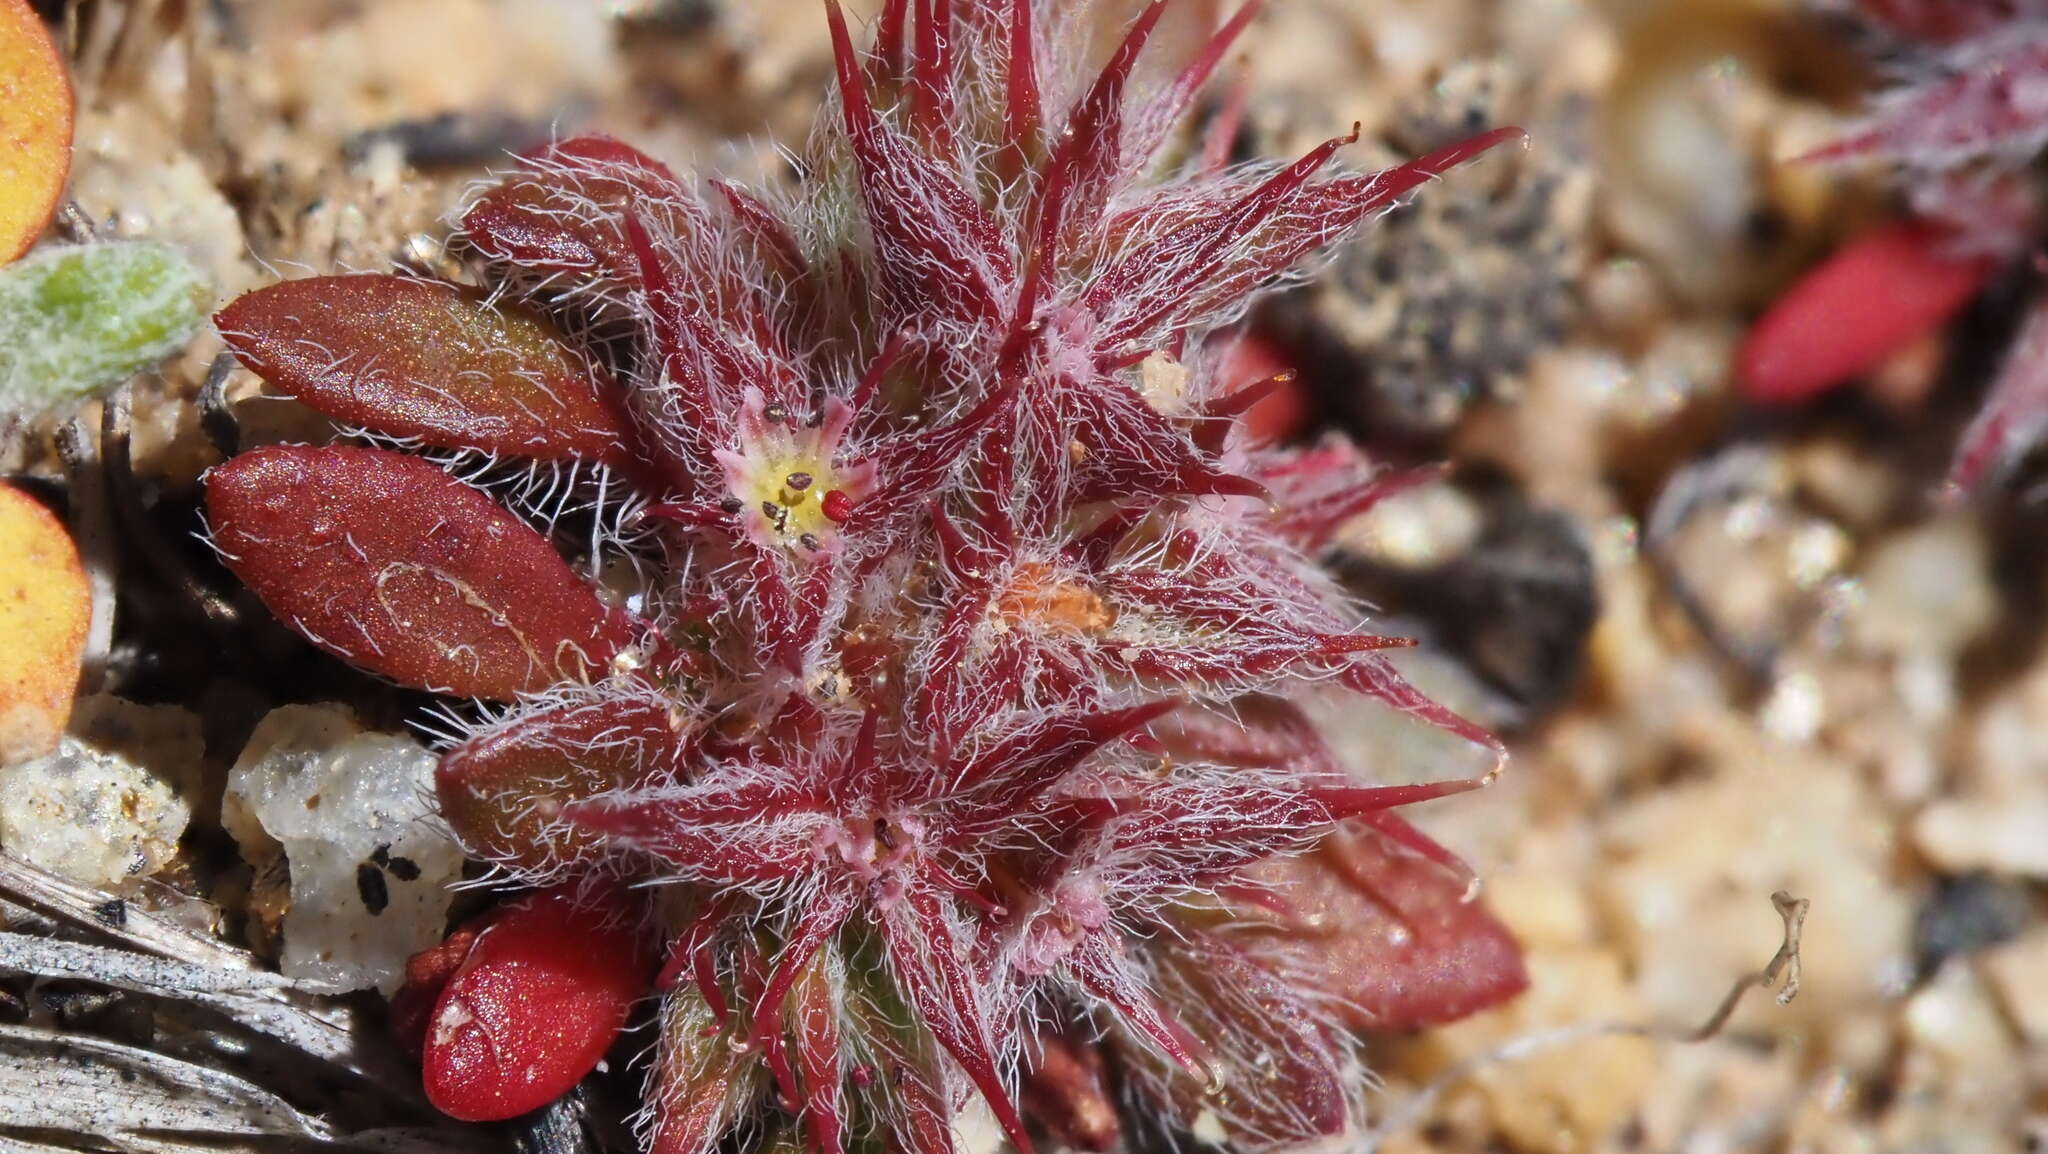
x,y
775,413
798,481
809,541
732,504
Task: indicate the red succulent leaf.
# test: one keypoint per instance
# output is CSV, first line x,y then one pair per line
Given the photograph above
x,y
931,75
916,1111
1100,965
1317,490
503,790
1171,105
1873,298
1126,449
1394,940
432,361
426,975
1260,392
1259,732
1374,676
1084,168
544,992
385,561
1023,766
562,214
805,937
1023,112
697,829
813,1022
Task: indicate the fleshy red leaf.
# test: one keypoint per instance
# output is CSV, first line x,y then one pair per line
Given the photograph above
x,y
1286,1077
1393,939
503,790
1877,295
564,214
389,563
543,994
814,1026
937,248
429,360
1940,20
1203,250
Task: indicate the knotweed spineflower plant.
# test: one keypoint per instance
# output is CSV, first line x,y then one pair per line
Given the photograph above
x,y
917,709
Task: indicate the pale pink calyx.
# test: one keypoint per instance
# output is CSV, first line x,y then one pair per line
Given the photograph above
x,y
785,472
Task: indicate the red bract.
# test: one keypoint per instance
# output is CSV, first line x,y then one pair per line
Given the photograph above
x,y
1877,296
949,691
1943,20
2016,413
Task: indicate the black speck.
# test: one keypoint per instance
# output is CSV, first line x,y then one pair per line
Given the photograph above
x,y
370,887
404,869
1968,913
381,855
732,504
112,913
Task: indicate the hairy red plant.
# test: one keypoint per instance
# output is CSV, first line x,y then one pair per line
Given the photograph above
x,y
1968,117
942,695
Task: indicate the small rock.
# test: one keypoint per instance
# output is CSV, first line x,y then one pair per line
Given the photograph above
x,y
91,813
2000,834
1749,561
108,806
1448,298
1955,1020
1966,914
2018,975
370,870
1926,590
1503,586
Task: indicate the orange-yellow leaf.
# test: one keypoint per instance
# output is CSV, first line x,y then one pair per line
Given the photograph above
x,y
36,109
45,607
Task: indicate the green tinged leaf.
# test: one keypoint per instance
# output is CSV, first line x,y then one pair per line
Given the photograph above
x,y
77,320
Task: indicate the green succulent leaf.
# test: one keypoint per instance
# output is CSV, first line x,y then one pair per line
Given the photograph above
x,y
76,320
